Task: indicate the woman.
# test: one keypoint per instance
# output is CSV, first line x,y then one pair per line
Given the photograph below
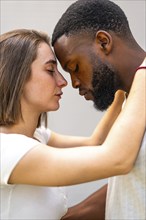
x,y
34,163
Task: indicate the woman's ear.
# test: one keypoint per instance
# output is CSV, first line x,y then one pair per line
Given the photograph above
x,y
104,40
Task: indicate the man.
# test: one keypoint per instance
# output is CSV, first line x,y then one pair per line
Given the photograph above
x,y
93,42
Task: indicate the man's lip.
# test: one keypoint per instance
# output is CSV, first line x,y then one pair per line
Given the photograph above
x,y
82,92
87,94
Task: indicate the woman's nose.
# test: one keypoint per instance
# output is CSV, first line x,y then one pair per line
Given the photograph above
x,y
61,81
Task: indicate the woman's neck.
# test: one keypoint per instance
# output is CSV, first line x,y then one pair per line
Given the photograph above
x,y
26,127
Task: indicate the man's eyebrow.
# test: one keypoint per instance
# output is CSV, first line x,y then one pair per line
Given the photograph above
x,y
65,66
51,61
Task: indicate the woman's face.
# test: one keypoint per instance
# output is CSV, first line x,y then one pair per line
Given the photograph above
x,y
43,90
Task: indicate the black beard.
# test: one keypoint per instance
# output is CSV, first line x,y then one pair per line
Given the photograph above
x,y
105,83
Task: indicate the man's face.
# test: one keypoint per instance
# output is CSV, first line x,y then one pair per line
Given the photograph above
x,y
105,82
94,78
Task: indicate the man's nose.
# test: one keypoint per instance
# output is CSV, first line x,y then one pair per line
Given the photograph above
x,y
75,82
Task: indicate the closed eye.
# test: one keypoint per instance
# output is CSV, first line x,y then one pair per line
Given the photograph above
x,y
50,71
76,69
71,69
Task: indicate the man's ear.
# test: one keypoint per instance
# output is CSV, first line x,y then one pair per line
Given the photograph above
x,y
104,40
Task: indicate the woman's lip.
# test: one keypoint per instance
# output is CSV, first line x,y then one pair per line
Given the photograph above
x,y
59,94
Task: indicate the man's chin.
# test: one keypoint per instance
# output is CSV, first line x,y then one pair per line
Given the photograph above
x,y
100,106
88,96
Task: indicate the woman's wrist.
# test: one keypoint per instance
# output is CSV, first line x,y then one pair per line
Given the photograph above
x,y
142,66
120,96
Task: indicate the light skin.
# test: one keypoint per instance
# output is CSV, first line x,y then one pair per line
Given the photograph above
x,y
49,162
41,93
41,160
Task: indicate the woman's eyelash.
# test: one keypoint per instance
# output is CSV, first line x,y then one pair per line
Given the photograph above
x,y
51,71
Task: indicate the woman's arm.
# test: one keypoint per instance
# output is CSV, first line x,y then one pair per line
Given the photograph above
x,y
50,166
100,132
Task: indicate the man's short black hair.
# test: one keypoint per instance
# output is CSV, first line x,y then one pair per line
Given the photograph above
x,y
89,16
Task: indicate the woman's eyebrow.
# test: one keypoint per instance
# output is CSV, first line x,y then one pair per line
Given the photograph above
x,y
51,61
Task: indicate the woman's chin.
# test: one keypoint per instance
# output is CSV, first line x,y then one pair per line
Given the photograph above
x,y
54,108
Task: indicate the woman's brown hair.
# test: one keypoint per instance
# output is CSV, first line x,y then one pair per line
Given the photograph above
x,y
18,49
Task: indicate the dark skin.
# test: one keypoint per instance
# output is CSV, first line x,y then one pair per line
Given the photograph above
x,y
74,54
89,209
76,50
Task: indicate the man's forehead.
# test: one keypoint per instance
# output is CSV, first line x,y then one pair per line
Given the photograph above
x,y
69,44
66,43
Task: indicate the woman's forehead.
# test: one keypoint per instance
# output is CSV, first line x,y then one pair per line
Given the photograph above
x,y
45,53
